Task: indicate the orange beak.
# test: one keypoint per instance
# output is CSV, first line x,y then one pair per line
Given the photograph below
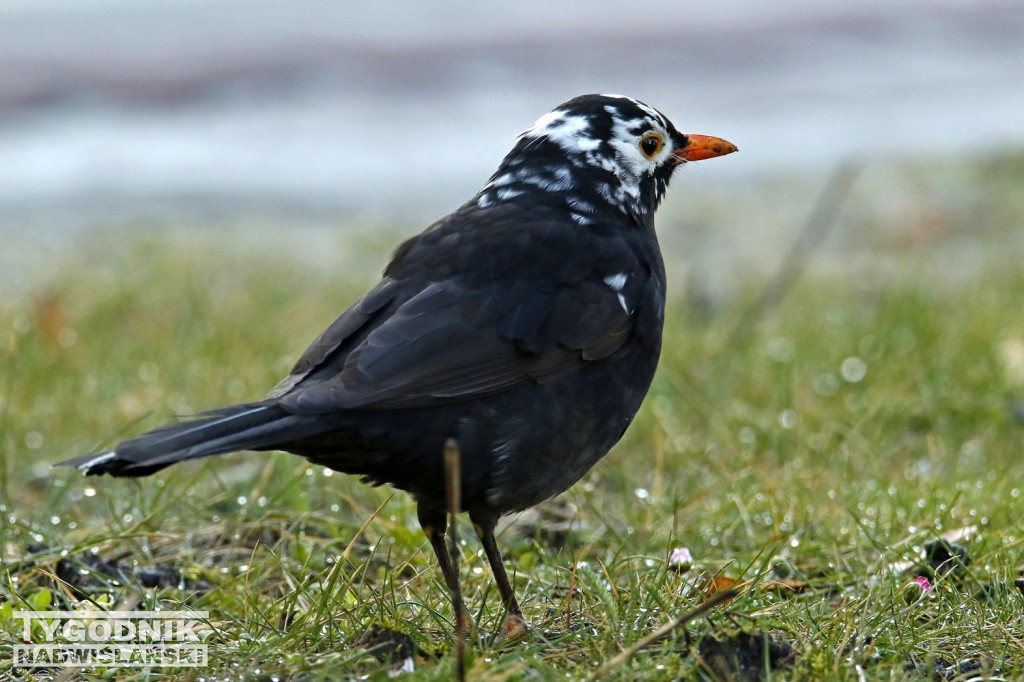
x,y
702,147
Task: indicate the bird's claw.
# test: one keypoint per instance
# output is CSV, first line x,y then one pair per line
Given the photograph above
x,y
515,628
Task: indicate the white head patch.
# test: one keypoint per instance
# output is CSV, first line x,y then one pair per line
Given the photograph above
x,y
588,153
564,130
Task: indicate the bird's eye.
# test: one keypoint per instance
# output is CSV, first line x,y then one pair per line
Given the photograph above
x,y
650,145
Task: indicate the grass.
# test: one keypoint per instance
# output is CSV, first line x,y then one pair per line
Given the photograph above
x,y
873,411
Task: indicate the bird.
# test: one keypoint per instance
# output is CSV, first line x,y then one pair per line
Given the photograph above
x,y
525,327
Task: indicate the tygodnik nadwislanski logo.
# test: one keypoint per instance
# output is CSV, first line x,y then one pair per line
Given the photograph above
x,y
112,639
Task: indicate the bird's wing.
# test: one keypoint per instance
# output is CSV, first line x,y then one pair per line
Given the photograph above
x,y
446,344
329,349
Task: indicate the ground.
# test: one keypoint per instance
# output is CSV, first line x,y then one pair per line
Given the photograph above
x,y
821,455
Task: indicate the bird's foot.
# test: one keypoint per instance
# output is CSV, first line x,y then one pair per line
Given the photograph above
x,y
515,628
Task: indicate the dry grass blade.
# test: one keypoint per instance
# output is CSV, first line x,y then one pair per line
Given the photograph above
x,y
622,657
453,468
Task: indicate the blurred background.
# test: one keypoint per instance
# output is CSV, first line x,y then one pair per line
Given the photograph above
x,y
256,117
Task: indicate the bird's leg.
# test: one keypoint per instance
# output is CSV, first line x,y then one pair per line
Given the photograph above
x,y
515,624
434,528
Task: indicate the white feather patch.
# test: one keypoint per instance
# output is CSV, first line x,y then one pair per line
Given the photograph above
x,y
616,283
101,458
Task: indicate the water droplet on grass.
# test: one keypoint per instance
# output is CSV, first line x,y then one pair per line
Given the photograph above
x,y
853,369
148,371
788,419
781,349
826,384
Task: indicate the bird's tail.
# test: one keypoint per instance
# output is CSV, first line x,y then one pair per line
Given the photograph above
x,y
250,426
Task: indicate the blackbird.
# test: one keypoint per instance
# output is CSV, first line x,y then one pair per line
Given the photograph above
x,y
526,326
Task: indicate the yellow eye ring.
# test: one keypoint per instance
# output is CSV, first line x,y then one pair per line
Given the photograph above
x,y
650,144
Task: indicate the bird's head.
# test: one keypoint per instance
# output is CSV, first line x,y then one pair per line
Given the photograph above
x,y
599,153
